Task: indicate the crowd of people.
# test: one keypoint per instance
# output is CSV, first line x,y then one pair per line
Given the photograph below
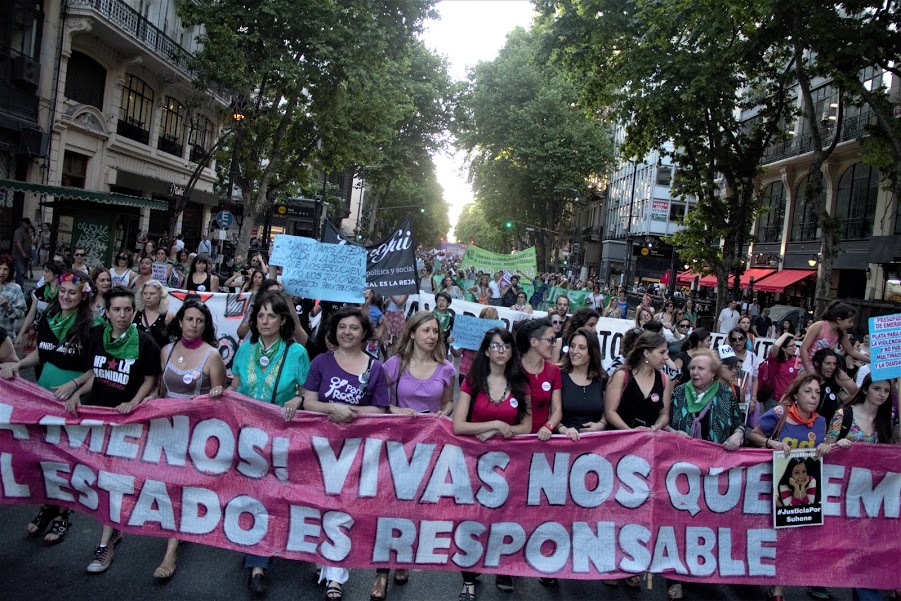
x,y
544,377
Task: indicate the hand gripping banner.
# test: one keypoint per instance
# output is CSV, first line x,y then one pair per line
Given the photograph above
x,y
400,491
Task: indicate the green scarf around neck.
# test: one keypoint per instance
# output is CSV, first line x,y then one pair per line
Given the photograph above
x,y
695,404
59,324
123,347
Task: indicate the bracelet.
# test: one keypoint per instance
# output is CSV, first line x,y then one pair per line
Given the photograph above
x,y
549,426
75,381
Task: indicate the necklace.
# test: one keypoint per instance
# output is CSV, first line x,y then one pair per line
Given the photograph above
x,y
189,345
502,397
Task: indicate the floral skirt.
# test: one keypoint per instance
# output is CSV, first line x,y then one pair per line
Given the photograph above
x,y
395,323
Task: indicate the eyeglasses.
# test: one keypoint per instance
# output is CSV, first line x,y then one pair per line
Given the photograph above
x,y
494,346
549,339
737,339
79,254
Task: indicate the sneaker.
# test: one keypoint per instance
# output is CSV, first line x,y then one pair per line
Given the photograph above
x,y
103,557
504,583
115,538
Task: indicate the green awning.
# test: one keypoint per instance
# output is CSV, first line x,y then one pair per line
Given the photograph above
x,y
108,198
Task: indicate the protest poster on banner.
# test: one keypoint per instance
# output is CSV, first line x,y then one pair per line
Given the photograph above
x,y
390,264
312,269
468,331
797,489
404,492
885,347
526,261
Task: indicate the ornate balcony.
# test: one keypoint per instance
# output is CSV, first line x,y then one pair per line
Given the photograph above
x,y
852,128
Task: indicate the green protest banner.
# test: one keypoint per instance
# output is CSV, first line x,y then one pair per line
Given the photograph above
x,y
524,261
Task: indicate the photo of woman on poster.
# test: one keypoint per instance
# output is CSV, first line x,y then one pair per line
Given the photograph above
x,y
798,485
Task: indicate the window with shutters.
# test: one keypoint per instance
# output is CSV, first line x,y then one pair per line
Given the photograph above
x,y
85,80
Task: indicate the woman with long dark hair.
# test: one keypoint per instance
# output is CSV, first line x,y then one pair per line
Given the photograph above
x,y
191,367
638,395
145,274
63,334
103,283
583,380
835,385
493,401
201,278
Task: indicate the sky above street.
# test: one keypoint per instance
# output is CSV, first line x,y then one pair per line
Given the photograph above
x,y
466,32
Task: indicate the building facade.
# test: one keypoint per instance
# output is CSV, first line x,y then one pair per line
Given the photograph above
x,y
124,125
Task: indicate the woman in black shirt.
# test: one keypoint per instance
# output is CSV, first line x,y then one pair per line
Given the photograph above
x,y
638,394
583,385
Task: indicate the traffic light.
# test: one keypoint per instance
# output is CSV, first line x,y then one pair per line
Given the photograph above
x,y
508,225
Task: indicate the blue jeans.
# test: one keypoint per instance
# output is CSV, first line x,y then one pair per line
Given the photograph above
x,y
21,270
257,561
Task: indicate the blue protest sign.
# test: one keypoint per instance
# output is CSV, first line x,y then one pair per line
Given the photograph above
x,y
885,347
468,330
312,269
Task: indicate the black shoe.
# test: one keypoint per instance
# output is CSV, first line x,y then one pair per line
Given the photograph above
x,y
257,583
504,583
547,581
818,592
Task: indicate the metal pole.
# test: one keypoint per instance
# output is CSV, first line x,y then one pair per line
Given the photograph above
x,y
628,269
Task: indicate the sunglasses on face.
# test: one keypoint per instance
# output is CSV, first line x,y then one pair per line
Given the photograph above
x,y
79,254
494,346
737,339
684,325
556,322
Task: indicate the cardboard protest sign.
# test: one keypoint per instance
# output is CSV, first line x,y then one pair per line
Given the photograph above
x,y
390,264
312,269
797,489
885,347
404,492
468,331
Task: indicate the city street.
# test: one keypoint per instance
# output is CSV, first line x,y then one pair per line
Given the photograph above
x,y
31,571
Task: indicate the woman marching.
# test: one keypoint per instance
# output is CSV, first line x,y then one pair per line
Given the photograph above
x,y
362,389
41,299
191,367
534,341
419,380
145,274
62,336
493,401
638,394
126,364
582,391
270,369
121,272
153,314
200,278
481,290
103,282
12,299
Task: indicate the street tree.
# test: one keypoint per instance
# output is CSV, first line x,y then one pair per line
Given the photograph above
x,y
531,144
473,227
672,71
321,83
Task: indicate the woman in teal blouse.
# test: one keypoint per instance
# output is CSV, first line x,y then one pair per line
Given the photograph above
x,y
270,369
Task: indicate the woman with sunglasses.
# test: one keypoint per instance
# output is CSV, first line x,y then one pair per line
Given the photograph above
x,y
535,341
78,264
122,273
62,338
642,316
343,384
667,314
148,250
749,370
521,304
191,367
153,316
270,369
494,401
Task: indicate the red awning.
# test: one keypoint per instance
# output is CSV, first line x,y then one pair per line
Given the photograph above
x,y
709,281
685,278
783,279
758,274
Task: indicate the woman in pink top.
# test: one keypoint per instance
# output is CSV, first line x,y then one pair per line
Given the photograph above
x,y
535,340
494,401
829,332
782,364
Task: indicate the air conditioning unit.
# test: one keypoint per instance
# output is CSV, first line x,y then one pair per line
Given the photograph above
x,y
26,71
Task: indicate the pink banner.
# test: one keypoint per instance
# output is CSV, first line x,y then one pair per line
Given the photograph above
x,y
405,492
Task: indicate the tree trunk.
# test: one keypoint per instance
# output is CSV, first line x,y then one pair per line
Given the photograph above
x,y
180,204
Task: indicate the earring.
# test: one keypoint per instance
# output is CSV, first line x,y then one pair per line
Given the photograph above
x,y
645,360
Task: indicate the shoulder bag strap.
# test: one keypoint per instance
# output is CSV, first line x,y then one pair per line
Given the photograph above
x,y
281,365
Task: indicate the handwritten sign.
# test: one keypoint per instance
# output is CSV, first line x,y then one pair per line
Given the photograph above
x,y
312,269
468,331
885,347
159,271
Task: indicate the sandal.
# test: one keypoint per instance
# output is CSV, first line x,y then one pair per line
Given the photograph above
x,y
164,572
333,592
675,591
39,524
633,581
401,576
379,587
59,527
468,593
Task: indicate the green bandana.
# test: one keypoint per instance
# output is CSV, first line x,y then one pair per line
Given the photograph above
x,y
695,404
60,324
49,293
123,347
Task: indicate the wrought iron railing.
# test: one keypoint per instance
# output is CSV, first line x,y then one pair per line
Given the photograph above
x,y
136,25
133,132
170,146
852,127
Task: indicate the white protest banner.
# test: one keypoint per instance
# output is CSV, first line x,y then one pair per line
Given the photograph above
x,y
312,269
468,331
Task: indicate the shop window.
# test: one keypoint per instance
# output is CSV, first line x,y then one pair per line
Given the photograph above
x,y
172,130
856,201
85,80
75,170
805,213
136,110
772,201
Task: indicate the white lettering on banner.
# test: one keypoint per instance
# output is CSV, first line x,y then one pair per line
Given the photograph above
x,y
8,484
